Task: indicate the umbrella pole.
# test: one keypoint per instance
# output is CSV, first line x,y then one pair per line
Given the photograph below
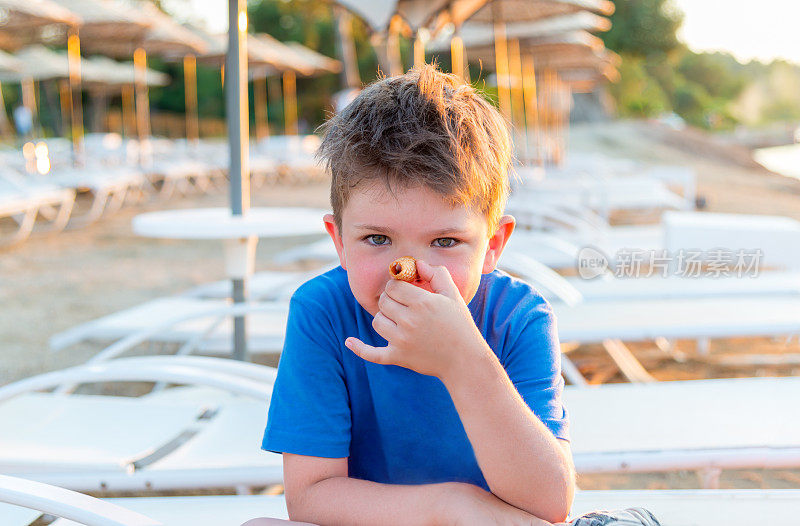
x,y
501,67
238,141
74,57
531,105
29,100
260,102
128,111
393,47
142,103
419,50
290,102
346,47
515,76
5,125
457,56
190,93
64,95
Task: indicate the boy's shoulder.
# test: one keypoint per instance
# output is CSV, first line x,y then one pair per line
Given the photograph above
x,y
329,287
503,295
499,282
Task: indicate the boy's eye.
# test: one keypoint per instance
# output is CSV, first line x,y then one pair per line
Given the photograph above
x,y
378,239
444,242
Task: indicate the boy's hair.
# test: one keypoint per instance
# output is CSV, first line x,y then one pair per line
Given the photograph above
x,y
423,128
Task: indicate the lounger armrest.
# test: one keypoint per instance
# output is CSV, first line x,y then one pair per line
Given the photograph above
x,y
68,504
135,370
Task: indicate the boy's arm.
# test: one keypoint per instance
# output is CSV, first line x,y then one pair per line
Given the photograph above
x,y
521,460
434,334
319,491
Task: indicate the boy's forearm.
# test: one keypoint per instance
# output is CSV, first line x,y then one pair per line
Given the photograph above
x,y
522,461
353,502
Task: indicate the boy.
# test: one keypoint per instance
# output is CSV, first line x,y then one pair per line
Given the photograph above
x,y
432,402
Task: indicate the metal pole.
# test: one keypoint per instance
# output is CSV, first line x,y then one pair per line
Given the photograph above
x,y
238,137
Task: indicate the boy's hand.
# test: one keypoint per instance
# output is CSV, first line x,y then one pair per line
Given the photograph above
x,y
426,331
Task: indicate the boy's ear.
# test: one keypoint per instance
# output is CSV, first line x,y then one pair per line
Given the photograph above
x,y
336,236
498,242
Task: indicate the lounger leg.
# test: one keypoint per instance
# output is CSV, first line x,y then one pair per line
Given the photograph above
x,y
167,188
25,225
670,347
243,490
571,372
627,363
96,210
117,199
710,477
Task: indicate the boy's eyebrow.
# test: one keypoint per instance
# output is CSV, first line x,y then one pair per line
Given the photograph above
x,y
374,227
387,230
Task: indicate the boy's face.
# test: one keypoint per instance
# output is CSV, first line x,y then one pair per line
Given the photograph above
x,y
379,226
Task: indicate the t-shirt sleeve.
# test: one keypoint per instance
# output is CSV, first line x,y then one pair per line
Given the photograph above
x,y
309,411
533,363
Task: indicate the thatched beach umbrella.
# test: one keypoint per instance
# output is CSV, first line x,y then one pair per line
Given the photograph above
x,y
99,74
300,60
22,24
161,36
500,34
386,18
23,20
265,56
319,65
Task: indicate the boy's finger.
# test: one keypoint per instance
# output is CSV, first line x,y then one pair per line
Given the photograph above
x,y
439,278
367,352
390,307
383,325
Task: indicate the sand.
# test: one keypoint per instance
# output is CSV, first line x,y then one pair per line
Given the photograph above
x,y
52,282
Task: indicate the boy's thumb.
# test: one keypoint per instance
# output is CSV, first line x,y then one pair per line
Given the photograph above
x,y
439,278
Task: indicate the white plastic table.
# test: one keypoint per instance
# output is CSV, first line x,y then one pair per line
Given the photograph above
x,y
239,234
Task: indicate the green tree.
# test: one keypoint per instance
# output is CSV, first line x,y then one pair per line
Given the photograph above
x,y
637,94
643,27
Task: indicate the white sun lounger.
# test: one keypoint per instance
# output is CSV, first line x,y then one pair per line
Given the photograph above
x,y
573,290
23,501
178,438
204,324
26,200
777,237
702,425
602,194
671,507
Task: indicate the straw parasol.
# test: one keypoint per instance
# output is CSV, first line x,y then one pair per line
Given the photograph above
x,y
303,61
387,18
23,24
505,33
24,17
9,62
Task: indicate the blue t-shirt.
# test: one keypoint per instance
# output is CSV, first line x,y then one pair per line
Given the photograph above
x,y
397,426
